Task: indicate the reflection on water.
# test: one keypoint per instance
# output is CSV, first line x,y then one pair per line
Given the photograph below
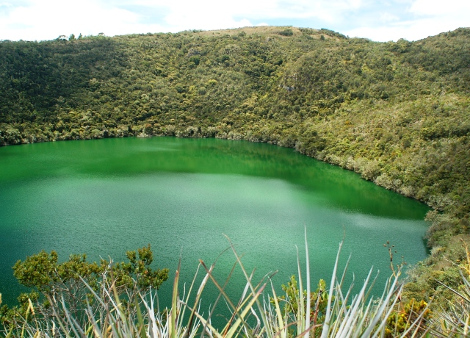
x,y
182,196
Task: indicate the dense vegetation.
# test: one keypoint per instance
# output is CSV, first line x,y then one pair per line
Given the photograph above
x,y
397,113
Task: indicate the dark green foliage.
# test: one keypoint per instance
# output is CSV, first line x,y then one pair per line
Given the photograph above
x,y
396,113
75,281
41,79
286,32
318,304
43,272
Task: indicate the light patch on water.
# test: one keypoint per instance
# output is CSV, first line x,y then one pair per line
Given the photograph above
x,y
184,197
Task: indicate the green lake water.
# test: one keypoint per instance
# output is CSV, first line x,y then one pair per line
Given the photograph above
x,y
104,197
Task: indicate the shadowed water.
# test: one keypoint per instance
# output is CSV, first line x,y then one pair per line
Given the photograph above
x,y
105,197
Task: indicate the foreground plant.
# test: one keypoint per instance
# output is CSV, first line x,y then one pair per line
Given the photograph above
x,y
107,311
453,320
75,287
340,313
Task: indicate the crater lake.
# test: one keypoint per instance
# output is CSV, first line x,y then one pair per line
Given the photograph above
x,y
185,197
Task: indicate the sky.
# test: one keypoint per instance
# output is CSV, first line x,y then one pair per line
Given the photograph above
x,y
377,20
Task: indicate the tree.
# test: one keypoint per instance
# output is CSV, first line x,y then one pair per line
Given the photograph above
x,y
75,284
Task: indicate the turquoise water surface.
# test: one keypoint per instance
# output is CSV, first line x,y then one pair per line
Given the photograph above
x,y
183,196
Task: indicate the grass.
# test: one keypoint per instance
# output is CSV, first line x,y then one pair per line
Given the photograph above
x,y
260,312
453,320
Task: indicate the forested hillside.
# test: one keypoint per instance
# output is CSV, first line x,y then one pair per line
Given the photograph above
x,y
398,113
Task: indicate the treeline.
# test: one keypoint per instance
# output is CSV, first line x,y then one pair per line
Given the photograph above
x,y
397,112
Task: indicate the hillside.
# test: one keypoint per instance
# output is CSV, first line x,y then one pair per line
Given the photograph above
x,y
397,112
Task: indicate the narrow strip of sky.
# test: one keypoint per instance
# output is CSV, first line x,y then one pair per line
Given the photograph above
x,y
381,20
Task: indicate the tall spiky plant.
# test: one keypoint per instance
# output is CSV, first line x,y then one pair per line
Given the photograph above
x,y
454,318
258,312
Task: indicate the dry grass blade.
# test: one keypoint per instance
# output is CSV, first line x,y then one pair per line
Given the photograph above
x,y
326,325
241,317
307,271
192,316
237,313
174,304
248,279
345,314
281,328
